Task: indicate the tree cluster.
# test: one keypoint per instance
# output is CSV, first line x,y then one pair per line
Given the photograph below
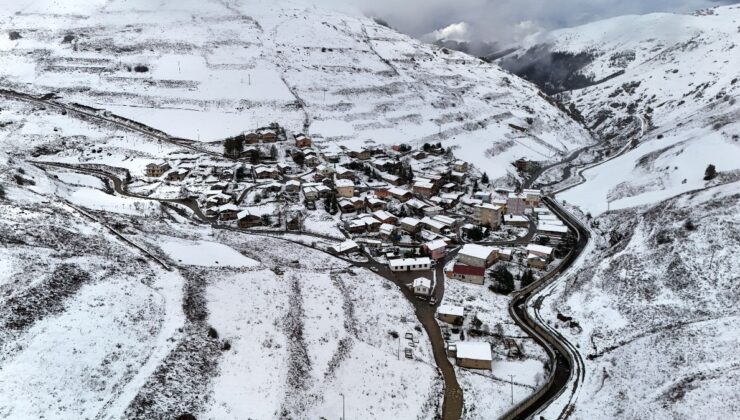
x,y
503,280
233,146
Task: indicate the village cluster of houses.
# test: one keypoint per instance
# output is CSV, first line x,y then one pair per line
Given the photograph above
x,y
408,207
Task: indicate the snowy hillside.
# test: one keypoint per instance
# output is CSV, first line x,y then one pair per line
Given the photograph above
x,y
115,308
672,91
240,65
651,297
654,300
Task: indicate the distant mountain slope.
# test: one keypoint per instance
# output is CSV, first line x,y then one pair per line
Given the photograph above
x,y
346,79
669,84
650,296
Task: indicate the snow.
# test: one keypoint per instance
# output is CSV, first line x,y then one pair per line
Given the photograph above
x,y
205,253
473,350
451,310
476,251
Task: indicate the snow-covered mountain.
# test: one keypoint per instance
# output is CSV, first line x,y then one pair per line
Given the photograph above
x,y
649,297
666,82
344,78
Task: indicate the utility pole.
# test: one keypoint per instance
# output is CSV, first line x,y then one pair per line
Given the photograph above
x,y
343,418
512,388
398,350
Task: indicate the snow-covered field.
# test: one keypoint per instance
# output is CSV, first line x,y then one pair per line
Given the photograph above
x,y
94,329
240,65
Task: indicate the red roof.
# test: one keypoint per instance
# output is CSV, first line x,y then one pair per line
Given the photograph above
x,y
468,270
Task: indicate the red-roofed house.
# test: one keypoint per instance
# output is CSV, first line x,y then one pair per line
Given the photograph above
x,y
468,273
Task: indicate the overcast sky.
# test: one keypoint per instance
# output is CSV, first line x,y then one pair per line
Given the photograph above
x,y
508,20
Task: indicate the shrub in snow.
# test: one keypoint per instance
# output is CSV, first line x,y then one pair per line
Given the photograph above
x,y
141,69
710,173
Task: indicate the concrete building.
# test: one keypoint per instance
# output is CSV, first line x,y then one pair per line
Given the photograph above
x,y
468,273
451,314
436,249
476,255
157,169
473,354
488,215
344,187
410,264
515,203
422,286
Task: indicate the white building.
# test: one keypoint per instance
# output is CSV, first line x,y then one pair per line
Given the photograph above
x,y
422,286
410,264
476,255
473,354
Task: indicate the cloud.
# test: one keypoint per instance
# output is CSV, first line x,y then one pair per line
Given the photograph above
x,y
508,21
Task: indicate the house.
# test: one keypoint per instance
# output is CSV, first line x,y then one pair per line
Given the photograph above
x,y
422,286
536,261
451,314
292,186
476,255
532,197
488,215
382,193
516,220
458,177
247,220
267,135
410,224
157,169
375,204
483,196
358,202
446,220
400,194
460,166
385,217
344,187
515,203
387,231
521,164
362,154
343,173
410,264
265,172
346,206
433,225
177,174
468,273
345,247
473,354
436,249
324,170
228,212
311,161
372,224
431,210
552,230
302,141
390,178
356,226
251,138
504,254
540,250
424,188
310,193
416,206
448,187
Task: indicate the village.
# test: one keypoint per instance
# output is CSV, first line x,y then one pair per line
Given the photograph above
x,y
421,214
